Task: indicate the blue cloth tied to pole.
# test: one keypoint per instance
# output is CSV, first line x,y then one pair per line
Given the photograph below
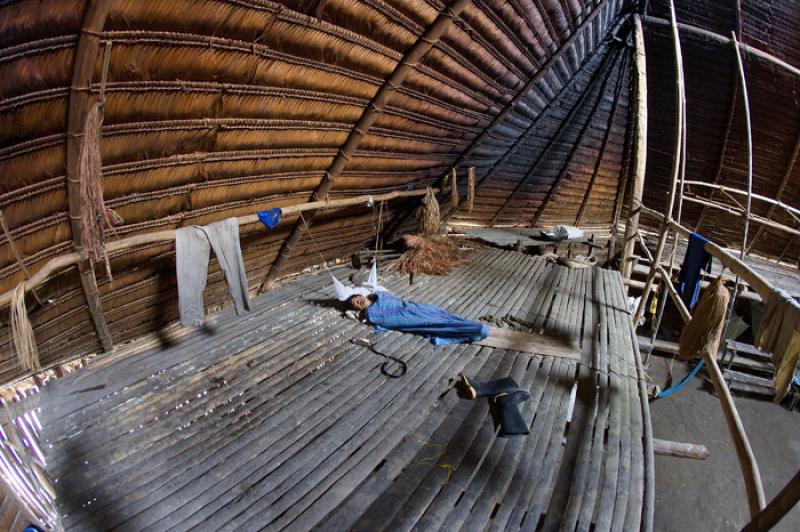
x,y
696,259
392,313
270,218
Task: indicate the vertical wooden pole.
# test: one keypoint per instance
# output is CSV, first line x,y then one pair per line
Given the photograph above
x,y
640,150
676,162
79,102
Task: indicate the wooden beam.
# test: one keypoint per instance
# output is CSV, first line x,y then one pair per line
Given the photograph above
x,y
678,449
721,39
779,193
82,71
422,46
640,150
738,212
777,507
58,264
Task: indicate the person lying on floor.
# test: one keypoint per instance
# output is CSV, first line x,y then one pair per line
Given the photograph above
x,y
385,311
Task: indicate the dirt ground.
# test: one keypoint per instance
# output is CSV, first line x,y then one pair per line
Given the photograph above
x,y
709,494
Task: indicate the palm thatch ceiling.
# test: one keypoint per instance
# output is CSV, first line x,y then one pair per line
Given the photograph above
x,y
221,108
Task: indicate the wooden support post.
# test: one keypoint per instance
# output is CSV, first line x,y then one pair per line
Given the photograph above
x,y
640,150
678,449
404,67
676,162
79,102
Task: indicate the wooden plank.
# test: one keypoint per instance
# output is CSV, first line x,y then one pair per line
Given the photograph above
x,y
540,344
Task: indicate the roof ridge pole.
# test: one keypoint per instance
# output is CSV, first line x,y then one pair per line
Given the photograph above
x,y
676,164
422,46
86,51
640,151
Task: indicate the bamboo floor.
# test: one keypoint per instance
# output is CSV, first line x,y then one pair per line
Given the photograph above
x,y
274,420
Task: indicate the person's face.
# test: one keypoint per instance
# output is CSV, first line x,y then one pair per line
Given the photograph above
x,y
360,302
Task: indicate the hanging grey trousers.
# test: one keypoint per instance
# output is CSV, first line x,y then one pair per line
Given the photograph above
x,y
192,251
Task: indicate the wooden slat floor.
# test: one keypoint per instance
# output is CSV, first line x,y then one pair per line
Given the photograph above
x,y
275,420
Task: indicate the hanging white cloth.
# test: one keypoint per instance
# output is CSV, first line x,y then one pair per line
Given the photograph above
x,y
370,286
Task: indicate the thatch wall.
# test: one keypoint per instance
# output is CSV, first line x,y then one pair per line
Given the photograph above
x,y
222,108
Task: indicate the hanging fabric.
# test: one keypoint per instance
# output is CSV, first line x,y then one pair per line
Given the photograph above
x,y
270,218
779,334
695,260
192,251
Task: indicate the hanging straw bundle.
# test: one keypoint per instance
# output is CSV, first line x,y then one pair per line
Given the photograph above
x,y
93,210
22,332
428,214
454,199
470,188
703,332
430,255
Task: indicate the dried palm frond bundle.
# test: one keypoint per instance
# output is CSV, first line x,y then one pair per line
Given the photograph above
x,y
703,332
470,188
428,214
93,209
22,332
433,255
454,199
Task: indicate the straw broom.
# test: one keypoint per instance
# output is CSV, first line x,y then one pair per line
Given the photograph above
x,y
703,332
428,214
22,332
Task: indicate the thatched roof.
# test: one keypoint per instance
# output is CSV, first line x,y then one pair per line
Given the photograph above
x,y
221,108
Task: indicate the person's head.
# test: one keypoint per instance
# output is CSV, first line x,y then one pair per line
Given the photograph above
x,y
359,302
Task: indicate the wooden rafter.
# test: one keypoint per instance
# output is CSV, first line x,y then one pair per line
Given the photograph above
x,y
602,152
523,92
567,120
567,160
82,71
376,106
529,131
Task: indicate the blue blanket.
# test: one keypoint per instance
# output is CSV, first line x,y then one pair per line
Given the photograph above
x,y
696,259
392,313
